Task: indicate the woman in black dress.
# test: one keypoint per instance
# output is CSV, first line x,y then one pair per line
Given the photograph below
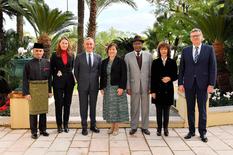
x,y
62,62
163,73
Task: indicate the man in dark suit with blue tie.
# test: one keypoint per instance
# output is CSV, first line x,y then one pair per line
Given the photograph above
x,y
87,71
197,76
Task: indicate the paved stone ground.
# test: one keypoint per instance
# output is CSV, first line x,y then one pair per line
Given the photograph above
x,y
17,142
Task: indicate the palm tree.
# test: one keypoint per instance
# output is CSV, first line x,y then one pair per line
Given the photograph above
x,y
97,6
4,8
216,27
46,22
81,8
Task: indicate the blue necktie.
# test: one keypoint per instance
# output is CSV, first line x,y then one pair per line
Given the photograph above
x,y
196,55
89,60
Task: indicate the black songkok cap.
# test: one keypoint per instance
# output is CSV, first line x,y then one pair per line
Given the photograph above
x,y
38,45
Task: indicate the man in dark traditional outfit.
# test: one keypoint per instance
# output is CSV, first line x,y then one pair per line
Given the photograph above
x,y
36,87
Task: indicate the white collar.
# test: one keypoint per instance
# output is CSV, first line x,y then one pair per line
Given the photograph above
x,y
137,52
199,47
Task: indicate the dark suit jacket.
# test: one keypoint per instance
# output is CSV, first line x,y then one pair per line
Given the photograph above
x,y
164,91
118,73
57,65
88,79
204,70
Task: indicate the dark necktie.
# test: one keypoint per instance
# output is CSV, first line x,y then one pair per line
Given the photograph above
x,y
139,60
196,55
89,60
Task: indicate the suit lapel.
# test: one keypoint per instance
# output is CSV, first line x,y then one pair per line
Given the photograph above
x,y
201,53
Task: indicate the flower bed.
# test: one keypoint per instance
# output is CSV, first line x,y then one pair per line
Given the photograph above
x,y
219,98
4,106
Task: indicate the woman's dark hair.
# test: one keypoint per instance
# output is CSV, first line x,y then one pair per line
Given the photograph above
x,y
110,45
164,45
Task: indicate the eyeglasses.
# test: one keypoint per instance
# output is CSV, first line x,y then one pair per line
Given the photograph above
x,y
195,36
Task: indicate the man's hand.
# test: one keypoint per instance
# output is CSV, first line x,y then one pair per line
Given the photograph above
x,y
102,92
119,91
28,97
129,91
153,95
210,89
166,79
50,95
181,88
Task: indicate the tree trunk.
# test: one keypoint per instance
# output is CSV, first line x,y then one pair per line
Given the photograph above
x,y
20,27
92,19
223,75
1,33
46,41
81,9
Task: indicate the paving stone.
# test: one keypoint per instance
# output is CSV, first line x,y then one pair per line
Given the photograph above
x,y
77,151
218,145
225,152
56,153
161,151
80,143
60,146
140,153
119,151
138,145
203,151
13,153
98,153
41,144
99,145
156,142
36,151
183,153
118,143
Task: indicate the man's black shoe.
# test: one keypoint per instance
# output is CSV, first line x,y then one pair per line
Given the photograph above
x,y
204,138
158,133
44,133
95,129
84,132
66,130
59,129
132,131
34,136
189,135
146,131
166,133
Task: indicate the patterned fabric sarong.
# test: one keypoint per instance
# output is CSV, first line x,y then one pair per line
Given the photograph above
x,y
39,94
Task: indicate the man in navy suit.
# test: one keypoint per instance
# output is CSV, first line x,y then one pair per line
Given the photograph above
x,y
197,76
87,72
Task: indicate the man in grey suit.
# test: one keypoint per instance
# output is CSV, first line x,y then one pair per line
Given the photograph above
x,y
197,76
87,71
138,84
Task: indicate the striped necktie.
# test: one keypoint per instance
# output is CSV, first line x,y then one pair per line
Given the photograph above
x,y
196,55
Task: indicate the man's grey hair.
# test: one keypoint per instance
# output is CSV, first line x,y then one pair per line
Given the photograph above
x,y
89,38
196,30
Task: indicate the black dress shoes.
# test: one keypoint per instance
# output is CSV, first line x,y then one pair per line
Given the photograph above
x,y
95,129
34,136
59,129
66,129
132,131
204,138
189,135
44,133
146,131
158,133
84,132
166,133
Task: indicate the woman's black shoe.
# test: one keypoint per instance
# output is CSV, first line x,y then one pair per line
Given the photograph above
x,y
66,129
158,133
166,133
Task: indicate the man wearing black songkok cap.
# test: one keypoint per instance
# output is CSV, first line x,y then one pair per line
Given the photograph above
x,y
36,86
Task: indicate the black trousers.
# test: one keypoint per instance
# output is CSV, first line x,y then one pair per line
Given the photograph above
x,y
193,94
162,115
63,98
88,98
33,123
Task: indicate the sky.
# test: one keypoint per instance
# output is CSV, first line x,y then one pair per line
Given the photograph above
x,y
119,16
